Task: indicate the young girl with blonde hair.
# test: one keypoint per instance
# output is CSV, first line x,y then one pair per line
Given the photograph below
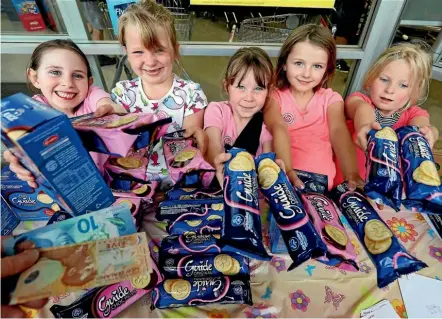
x,y
147,33
396,83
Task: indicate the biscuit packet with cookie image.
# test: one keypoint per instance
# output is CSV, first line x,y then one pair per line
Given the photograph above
x,y
325,217
301,239
197,266
383,182
182,156
117,134
194,193
242,232
109,301
190,244
83,266
173,293
422,184
208,221
171,210
388,255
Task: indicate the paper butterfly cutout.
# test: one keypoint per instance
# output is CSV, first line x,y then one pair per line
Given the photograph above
x,y
268,294
331,297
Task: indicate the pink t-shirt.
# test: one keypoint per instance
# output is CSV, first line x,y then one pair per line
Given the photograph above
x,y
89,105
406,116
309,133
219,114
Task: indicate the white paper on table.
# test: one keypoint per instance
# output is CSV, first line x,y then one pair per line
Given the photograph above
x,y
422,296
382,309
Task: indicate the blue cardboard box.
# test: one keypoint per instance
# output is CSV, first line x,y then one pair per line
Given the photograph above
x,y
27,203
9,219
116,9
46,143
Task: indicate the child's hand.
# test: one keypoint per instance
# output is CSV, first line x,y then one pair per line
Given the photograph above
x,y
219,166
361,135
200,136
430,133
294,179
103,110
354,180
21,172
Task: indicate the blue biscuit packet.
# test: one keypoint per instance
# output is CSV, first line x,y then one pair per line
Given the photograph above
x,y
194,193
204,225
173,293
198,266
172,209
59,217
189,244
423,187
389,256
302,240
242,232
313,182
384,179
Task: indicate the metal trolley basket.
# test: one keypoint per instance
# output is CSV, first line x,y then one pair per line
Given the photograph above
x,y
272,29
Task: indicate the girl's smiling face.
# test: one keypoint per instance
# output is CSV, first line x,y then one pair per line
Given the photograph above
x,y
246,97
62,78
305,66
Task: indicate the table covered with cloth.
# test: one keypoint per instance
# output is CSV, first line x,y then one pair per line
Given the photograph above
x,y
311,290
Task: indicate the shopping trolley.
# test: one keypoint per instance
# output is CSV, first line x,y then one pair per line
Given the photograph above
x,y
272,29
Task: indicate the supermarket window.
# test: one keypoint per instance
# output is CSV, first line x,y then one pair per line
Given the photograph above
x,y
31,17
245,21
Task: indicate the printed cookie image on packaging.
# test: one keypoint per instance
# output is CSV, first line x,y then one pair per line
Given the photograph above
x,y
390,258
242,231
199,291
384,179
300,237
205,266
423,187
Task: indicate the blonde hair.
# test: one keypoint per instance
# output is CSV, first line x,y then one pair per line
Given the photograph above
x,y
147,15
316,35
417,56
252,58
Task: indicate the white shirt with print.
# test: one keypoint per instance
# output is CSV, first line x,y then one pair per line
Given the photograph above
x,y
183,99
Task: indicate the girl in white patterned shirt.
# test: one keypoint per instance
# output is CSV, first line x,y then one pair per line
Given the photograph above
x,y
148,35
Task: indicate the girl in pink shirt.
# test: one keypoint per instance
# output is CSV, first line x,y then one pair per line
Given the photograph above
x,y
60,72
247,81
312,112
397,81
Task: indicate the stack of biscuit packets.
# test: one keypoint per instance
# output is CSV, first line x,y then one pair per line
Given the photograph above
x,y
390,258
384,179
302,240
422,184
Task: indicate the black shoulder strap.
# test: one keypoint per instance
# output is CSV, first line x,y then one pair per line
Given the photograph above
x,y
249,138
